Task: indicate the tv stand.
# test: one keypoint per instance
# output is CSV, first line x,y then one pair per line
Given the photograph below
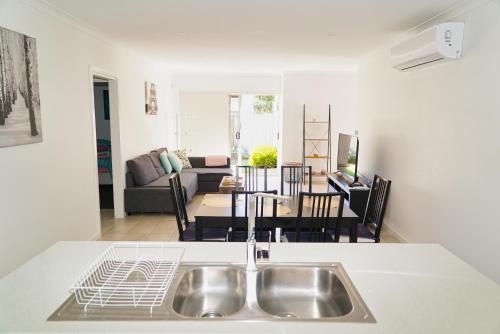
x,y
356,192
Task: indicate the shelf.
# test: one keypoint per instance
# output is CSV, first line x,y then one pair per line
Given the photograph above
x,y
318,157
317,140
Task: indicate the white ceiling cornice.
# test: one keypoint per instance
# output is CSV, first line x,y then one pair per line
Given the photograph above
x,y
67,18
50,9
449,14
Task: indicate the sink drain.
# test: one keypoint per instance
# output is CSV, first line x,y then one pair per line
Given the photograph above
x,y
212,314
286,315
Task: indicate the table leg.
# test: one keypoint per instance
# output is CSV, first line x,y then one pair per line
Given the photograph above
x,y
265,178
353,232
198,229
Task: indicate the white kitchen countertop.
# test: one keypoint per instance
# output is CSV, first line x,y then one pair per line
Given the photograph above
x,y
409,288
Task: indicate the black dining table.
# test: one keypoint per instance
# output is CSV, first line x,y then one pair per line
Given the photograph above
x,y
215,212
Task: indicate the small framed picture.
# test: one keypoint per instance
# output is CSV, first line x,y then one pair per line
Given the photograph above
x,y
151,99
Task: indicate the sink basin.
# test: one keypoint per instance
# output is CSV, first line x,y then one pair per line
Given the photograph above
x,y
302,292
210,292
275,292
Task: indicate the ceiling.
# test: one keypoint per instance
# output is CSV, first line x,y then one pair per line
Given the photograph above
x,y
253,35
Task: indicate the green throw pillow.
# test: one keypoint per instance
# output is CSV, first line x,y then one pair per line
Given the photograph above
x,y
175,161
167,166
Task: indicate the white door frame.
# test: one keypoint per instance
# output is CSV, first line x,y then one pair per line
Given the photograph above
x,y
279,110
116,157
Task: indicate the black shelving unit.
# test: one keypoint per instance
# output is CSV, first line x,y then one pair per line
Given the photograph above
x,y
311,146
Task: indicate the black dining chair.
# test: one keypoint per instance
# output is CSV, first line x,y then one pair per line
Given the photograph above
x,y
185,227
370,230
241,234
314,218
295,176
250,175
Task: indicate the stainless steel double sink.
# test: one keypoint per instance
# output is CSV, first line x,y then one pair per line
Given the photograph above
x,y
275,292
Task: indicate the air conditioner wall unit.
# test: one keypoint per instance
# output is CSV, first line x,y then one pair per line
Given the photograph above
x,y
442,42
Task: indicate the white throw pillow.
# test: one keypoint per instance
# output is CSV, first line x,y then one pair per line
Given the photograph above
x,y
183,155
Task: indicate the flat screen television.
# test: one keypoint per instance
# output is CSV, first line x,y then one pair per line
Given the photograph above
x,y
347,156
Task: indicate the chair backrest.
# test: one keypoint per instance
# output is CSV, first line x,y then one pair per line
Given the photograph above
x,y
259,211
295,176
314,216
179,203
377,202
250,176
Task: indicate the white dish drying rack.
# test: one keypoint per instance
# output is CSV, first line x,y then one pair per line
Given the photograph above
x,y
129,274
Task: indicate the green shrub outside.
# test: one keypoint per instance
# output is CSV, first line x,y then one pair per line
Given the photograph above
x,y
264,156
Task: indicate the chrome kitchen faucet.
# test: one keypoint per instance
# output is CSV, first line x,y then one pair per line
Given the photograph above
x,y
252,255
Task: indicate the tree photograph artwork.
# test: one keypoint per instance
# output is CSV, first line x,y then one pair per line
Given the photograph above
x,y
151,99
20,117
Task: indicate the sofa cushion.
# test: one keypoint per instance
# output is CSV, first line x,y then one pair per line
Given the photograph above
x,y
129,180
155,159
183,155
223,171
199,162
188,180
159,150
142,170
175,161
210,174
160,182
167,166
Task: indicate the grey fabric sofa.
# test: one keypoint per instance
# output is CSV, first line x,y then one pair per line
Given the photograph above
x,y
149,192
208,177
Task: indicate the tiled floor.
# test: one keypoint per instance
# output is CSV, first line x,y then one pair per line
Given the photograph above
x,y
138,227
163,227
144,227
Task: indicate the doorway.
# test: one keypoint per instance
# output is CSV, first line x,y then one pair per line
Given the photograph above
x,y
103,143
108,172
253,124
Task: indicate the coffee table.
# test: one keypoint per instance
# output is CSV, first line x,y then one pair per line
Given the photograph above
x,y
228,184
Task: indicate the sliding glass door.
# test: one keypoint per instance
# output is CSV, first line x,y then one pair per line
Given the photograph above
x,y
253,123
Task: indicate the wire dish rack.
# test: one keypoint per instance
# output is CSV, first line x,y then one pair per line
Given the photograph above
x,y
129,274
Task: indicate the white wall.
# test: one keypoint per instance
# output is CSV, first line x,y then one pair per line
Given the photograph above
x,y
204,123
48,190
316,90
225,83
435,133
232,83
